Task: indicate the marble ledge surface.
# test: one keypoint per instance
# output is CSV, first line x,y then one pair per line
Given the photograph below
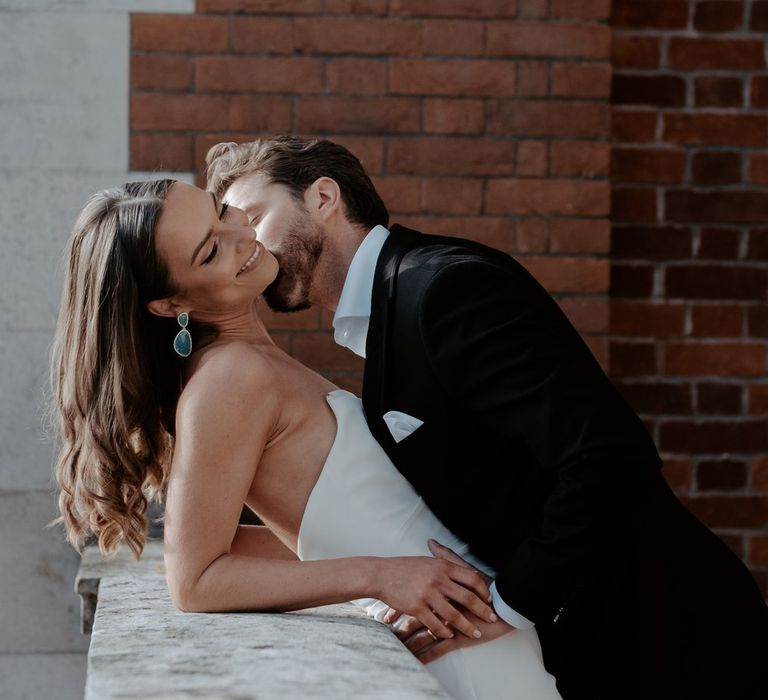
x,y
142,646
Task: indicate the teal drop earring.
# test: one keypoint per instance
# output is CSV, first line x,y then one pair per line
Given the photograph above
x,y
182,343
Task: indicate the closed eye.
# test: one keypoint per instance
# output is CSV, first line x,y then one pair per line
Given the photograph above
x,y
212,254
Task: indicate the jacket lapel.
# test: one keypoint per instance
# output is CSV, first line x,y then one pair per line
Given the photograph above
x,y
399,242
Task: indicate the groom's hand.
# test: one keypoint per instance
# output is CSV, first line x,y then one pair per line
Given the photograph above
x,y
442,552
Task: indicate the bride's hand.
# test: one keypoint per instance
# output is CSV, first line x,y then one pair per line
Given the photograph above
x,y
434,591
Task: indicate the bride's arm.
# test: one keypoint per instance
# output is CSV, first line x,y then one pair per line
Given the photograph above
x,y
260,541
226,415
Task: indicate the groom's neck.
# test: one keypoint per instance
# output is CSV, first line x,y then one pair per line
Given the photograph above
x,y
339,247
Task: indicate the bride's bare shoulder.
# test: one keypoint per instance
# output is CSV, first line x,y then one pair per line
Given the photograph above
x,y
235,373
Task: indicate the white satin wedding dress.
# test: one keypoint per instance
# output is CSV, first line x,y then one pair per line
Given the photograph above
x,y
362,506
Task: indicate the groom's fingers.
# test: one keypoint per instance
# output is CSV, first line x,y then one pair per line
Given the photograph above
x,y
390,616
406,626
443,552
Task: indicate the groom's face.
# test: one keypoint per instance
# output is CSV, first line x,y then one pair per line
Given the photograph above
x,y
285,227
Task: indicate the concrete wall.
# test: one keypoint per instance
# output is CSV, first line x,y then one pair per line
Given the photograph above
x,y
63,134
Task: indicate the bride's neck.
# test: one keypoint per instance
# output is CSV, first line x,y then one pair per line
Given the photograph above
x,y
245,326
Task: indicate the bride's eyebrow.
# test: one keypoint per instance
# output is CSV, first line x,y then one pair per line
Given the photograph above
x,y
200,245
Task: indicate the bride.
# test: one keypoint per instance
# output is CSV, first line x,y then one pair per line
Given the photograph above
x,y
167,384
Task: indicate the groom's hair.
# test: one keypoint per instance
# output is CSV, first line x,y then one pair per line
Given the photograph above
x,y
296,163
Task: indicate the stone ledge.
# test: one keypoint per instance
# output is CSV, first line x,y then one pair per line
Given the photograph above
x,y
142,646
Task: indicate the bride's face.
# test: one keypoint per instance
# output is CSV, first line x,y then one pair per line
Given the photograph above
x,y
211,252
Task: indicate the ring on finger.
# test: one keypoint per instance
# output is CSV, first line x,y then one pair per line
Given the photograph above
x,y
432,634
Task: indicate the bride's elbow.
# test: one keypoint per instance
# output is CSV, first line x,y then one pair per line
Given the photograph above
x,y
185,596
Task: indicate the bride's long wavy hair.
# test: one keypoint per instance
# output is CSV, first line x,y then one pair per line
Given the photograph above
x,y
114,376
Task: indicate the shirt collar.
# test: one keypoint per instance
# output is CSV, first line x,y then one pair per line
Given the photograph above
x,y
350,322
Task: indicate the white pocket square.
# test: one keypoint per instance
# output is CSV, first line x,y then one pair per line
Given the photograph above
x,y
401,425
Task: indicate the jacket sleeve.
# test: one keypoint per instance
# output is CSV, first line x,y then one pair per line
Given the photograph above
x,y
503,351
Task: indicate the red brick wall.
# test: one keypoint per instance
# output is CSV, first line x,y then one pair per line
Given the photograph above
x,y
485,119
491,119
689,270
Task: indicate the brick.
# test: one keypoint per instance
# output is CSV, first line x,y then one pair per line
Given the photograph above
x,y
651,242
158,32
759,91
716,320
721,475
533,79
715,398
454,8
757,321
716,129
496,232
758,405
452,77
178,112
562,274
532,236
547,39
334,35
757,245
580,9
451,116
716,91
401,194
587,314
442,37
533,9
452,196
167,72
630,51
730,511
634,204
259,113
549,118
356,76
658,397
647,165
714,436
715,282
716,168
352,7
657,90
646,319
451,156
722,16
758,550
721,54
634,126
579,236
723,359
357,114
581,79
319,352
631,280
677,473
532,159
308,319
758,20
161,151
262,6
261,35
259,74
633,359
536,197
724,206
758,168
650,14
719,243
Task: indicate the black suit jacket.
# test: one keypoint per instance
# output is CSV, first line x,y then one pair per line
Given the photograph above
x,y
527,451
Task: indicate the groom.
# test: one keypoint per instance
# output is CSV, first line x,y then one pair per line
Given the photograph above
x,y
488,401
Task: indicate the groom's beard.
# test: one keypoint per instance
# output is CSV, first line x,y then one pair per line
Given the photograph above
x,y
297,257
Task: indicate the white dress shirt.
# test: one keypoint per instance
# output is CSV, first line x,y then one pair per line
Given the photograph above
x,y
350,326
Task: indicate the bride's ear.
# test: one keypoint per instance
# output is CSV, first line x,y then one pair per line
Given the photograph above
x,y
163,307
